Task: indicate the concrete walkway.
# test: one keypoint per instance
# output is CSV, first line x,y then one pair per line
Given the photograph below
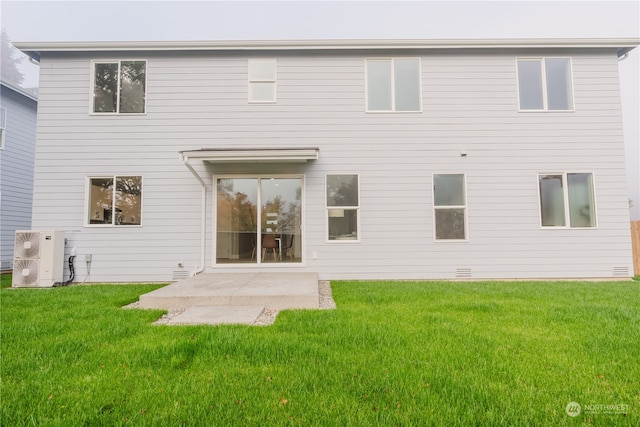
x,y
228,298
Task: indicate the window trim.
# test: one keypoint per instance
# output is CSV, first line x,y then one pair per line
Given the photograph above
x,y
565,199
545,105
274,81
465,207
393,110
3,126
95,62
327,208
87,200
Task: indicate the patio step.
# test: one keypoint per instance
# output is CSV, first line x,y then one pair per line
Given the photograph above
x,y
271,290
217,315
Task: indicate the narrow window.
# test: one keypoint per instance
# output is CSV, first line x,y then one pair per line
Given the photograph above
x,y
450,206
567,198
262,80
3,126
393,84
119,87
343,207
558,75
117,205
545,84
530,84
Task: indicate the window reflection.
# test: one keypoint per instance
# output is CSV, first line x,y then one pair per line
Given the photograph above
x,y
120,207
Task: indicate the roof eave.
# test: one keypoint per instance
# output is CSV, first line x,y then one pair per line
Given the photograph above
x,y
19,90
34,49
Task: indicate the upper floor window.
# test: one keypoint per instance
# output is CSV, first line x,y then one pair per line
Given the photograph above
x,y
545,84
3,126
119,86
114,200
567,198
450,205
393,84
343,207
262,80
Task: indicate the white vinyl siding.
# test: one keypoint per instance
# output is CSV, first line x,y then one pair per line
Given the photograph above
x,y
262,80
119,87
199,100
545,84
393,84
16,169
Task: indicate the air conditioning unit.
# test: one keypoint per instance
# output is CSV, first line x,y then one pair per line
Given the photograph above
x,y
38,259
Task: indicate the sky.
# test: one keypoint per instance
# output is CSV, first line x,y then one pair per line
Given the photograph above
x,y
285,20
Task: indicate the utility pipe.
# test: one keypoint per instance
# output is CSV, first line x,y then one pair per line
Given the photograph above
x,y
203,226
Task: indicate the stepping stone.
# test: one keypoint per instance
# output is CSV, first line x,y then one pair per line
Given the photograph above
x,y
218,315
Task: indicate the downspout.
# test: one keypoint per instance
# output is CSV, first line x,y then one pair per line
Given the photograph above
x,y
203,226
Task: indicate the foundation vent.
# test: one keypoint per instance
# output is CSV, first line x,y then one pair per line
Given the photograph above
x,y
621,271
463,273
180,274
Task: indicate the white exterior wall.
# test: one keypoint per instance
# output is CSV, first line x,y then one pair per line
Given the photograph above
x,y
16,170
199,100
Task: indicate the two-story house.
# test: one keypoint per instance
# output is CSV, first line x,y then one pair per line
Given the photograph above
x,y
17,149
398,159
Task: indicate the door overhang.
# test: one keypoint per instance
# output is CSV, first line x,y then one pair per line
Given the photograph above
x,y
252,155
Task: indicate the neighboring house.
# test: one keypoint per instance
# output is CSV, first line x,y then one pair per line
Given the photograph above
x,y
17,147
428,159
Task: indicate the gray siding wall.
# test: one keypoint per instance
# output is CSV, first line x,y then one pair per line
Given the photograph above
x,y
16,170
199,100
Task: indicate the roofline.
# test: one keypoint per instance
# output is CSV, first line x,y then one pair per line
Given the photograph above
x,y
34,49
19,90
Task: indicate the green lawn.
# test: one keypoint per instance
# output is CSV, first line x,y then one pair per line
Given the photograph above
x,y
392,353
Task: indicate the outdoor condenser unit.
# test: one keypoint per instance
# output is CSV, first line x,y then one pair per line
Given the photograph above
x,y
38,259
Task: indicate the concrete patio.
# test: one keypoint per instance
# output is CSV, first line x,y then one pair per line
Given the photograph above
x,y
230,298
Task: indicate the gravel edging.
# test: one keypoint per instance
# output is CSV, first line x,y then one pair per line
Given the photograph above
x,y
268,315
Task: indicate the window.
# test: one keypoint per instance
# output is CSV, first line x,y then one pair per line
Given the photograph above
x,y
120,207
393,84
450,206
119,87
545,84
567,198
262,80
3,126
343,208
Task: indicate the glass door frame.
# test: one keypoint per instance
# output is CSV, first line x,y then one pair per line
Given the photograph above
x,y
258,263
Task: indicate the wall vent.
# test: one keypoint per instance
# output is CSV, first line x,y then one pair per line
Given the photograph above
x,y
621,271
463,273
180,274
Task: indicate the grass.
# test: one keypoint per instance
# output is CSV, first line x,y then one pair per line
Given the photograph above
x,y
393,353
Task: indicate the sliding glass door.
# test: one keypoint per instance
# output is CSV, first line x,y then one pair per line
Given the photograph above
x,y
258,220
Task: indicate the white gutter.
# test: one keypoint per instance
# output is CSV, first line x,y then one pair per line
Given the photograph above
x,y
203,225
329,44
34,49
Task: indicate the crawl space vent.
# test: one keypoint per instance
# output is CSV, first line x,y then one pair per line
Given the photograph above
x,y
463,273
180,274
621,271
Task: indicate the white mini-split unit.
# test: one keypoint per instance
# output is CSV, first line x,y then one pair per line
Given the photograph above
x,y
38,258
